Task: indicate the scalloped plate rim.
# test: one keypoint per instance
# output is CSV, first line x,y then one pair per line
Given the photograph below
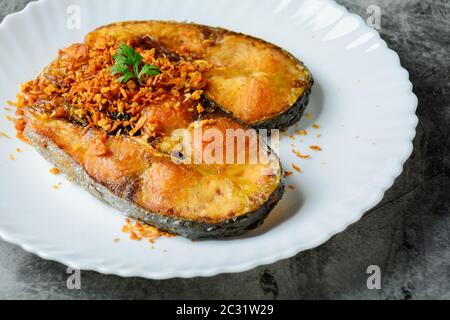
x,y
261,260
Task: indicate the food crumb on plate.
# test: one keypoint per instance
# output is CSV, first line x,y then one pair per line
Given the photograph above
x,y
4,135
316,148
116,240
139,231
57,186
291,187
288,173
19,150
300,155
11,157
9,118
54,171
296,168
316,126
308,115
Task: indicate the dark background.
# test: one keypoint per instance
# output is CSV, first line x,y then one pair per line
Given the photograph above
x,y
407,235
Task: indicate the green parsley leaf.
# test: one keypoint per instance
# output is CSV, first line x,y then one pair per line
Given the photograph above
x,y
128,64
120,69
126,77
150,70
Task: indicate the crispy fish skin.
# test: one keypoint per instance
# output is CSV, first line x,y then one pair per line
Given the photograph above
x,y
258,83
65,147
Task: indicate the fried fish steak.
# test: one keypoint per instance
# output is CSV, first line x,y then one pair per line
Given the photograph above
x,y
257,82
194,201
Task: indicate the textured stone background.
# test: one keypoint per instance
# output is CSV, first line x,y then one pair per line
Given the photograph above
x,y
407,234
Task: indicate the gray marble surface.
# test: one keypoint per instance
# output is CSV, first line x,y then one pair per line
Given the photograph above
x,y
407,235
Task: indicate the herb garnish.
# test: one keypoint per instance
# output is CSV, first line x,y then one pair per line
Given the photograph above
x,y
128,63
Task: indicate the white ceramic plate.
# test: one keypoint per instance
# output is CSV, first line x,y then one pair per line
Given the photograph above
x,y
362,100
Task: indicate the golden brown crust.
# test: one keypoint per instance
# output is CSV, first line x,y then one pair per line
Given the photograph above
x,y
138,173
